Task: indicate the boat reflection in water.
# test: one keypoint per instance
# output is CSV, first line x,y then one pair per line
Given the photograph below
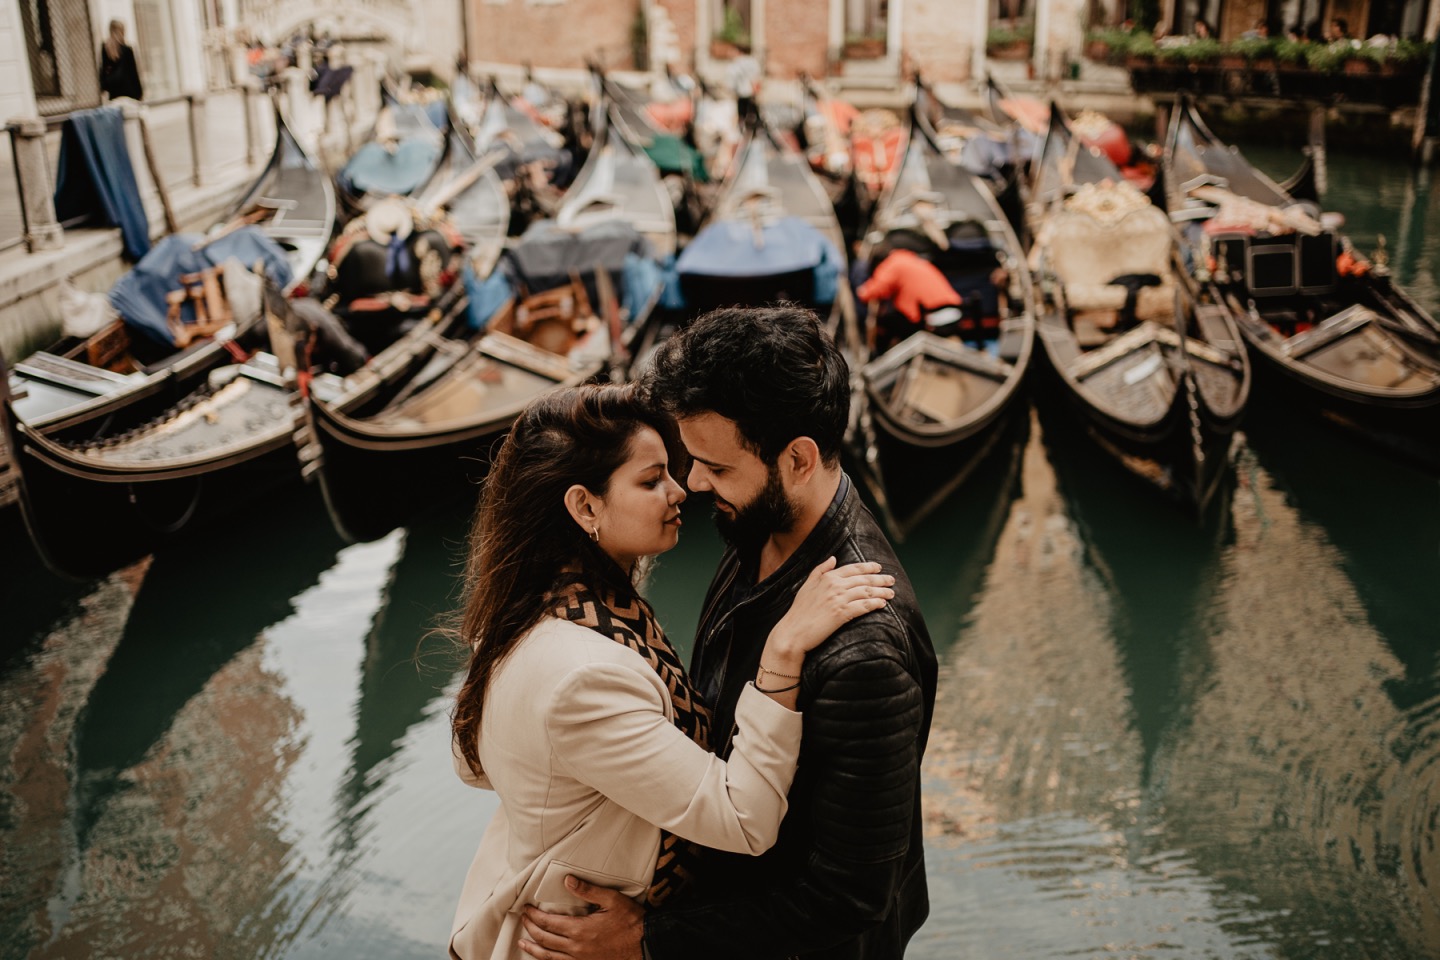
x,y
1160,738
234,761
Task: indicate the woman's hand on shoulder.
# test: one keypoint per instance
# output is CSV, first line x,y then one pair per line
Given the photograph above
x,y
831,597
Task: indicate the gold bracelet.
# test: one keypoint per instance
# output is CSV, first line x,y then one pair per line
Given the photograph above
x,y
783,676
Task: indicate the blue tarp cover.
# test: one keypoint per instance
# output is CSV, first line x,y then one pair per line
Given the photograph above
x,y
95,177
485,297
788,245
139,296
729,249
373,169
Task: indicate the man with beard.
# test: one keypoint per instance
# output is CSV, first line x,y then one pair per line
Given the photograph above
x,y
762,401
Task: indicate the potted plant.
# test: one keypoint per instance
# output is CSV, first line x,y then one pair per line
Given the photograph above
x,y
1290,54
1140,50
1396,56
1190,52
1249,50
1010,42
1107,44
1327,57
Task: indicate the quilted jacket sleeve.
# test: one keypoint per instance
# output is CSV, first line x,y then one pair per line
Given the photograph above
x,y
861,745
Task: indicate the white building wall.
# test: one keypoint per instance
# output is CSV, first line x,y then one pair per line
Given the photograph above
x,y
17,95
189,45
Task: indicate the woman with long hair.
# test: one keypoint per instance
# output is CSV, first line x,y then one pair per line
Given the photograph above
x,y
575,708
119,73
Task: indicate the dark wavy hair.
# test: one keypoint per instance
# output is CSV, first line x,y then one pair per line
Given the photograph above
x,y
523,536
772,370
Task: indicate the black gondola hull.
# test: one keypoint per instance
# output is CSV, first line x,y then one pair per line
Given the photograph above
x,y
1184,457
910,480
373,483
87,521
1408,429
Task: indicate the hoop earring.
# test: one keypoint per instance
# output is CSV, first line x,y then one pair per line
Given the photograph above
x,y
595,533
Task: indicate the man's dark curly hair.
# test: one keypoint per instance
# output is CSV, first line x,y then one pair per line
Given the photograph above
x,y
772,370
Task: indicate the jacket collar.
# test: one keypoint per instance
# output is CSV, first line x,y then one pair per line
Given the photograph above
x,y
833,528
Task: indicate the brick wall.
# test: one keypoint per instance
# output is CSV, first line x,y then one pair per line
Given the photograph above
x,y
552,33
938,36
797,37
682,18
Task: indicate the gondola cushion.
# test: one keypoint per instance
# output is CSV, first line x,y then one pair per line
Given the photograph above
x,y
1087,254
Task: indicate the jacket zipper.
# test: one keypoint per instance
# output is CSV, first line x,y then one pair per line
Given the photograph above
x,y
724,747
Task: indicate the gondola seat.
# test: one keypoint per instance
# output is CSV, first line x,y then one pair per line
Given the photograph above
x,y
1088,254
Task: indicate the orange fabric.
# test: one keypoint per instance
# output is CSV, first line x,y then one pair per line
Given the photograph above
x,y
875,157
1349,265
840,113
673,117
1030,113
913,283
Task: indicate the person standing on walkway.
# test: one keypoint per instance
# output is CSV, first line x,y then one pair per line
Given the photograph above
x,y
119,73
761,397
744,75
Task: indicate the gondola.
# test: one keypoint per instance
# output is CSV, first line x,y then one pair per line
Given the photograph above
x,y
928,408
772,236
293,202
534,163
1326,330
471,194
86,388
849,162
620,181
571,290
970,139
400,156
659,127
1148,361
94,506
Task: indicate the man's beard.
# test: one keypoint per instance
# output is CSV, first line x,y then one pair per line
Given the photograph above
x,y
769,513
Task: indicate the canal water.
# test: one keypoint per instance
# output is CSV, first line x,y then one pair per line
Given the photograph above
x,y
1152,739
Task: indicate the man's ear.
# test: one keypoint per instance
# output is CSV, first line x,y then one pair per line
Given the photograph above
x,y
800,459
583,507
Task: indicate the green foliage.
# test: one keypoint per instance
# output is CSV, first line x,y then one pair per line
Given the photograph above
x,y
1328,57
1411,51
1113,37
1003,36
1252,48
1291,51
733,29
1189,50
1141,44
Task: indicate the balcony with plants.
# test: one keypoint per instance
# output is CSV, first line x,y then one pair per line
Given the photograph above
x,y
1383,70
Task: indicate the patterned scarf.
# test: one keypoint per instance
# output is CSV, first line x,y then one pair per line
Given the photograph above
x,y
631,621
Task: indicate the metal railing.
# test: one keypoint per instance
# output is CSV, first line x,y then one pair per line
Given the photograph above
x,y
184,132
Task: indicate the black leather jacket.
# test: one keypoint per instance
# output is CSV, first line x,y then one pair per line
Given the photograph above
x,y
846,879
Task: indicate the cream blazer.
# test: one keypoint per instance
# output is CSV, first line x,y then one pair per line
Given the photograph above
x,y
578,738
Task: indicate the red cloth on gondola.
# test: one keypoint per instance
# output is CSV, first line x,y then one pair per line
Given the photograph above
x,y
912,283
